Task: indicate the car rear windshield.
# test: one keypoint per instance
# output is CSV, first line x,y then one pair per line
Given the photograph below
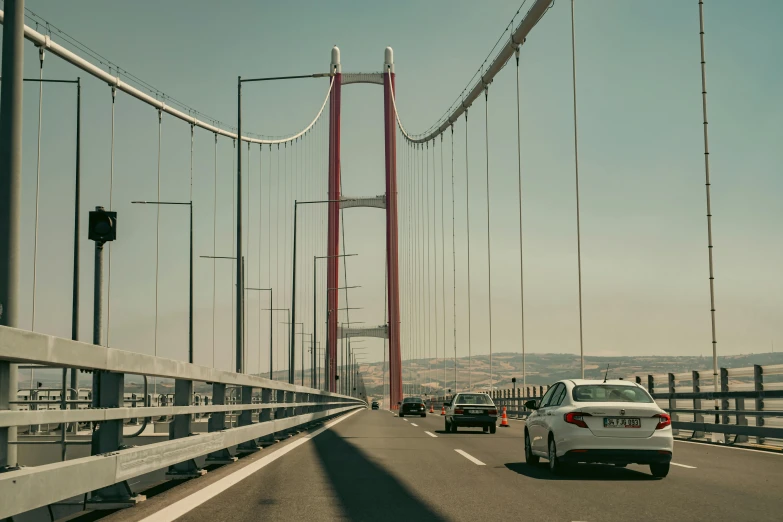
x,y
609,393
412,399
476,398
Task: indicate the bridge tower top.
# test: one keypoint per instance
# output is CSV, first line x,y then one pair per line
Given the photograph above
x,y
388,60
336,67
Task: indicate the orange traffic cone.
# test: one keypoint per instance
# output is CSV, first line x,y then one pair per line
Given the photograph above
x,y
432,408
443,410
504,419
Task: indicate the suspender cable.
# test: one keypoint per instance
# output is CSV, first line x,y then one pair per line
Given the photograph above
x,y
576,171
443,263
157,246
435,257
521,257
467,219
428,323
233,249
489,244
277,239
214,252
453,263
37,188
111,200
269,251
709,207
190,271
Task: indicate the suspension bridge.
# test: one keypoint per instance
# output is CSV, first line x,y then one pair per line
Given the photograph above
x,y
264,411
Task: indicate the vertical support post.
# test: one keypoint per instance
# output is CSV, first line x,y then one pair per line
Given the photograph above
x,y
280,413
292,336
190,285
76,265
240,284
724,387
672,402
313,370
333,239
697,417
180,428
758,386
246,419
265,415
393,294
651,384
217,422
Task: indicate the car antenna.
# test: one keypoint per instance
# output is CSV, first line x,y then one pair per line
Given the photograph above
x,y
607,373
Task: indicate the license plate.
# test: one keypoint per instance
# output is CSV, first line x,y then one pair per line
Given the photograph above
x,y
476,412
622,422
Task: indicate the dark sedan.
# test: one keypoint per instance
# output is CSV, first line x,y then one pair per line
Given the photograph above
x,y
471,410
375,405
412,406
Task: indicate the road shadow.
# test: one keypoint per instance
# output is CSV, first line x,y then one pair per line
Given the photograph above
x,y
580,472
365,490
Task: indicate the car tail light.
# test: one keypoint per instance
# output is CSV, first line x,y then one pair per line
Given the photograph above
x,y
576,418
459,412
493,412
664,419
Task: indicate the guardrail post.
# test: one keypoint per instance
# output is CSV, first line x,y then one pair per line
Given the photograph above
x,y
638,380
758,385
265,415
246,419
651,384
217,422
697,417
673,403
179,428
8,393
280,413
134,421
724,387
107,438
541,390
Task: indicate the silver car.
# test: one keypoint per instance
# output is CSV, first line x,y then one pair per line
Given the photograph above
x,y
471,410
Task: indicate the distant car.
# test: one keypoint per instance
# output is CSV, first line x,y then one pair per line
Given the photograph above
x,y
591,421
471,410
375,405
412,406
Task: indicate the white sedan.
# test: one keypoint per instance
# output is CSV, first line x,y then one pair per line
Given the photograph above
x,y
592,421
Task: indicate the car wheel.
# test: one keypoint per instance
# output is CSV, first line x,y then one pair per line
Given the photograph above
x,y
659,470
448,426
555,466
529,457
453,427
492,428
423,414
485,429
401,414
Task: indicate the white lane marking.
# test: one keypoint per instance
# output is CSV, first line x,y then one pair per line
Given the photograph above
x,y
431,434
179,508
759,451
683,465
471,458
412,424
406,420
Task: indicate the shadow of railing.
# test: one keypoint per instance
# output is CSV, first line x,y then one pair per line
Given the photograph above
x,y
365,490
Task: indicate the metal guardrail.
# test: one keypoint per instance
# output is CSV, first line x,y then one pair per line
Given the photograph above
x,y
264,408
763,420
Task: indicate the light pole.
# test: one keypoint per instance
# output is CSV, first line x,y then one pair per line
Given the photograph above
x,y
270,309
315,319
259,329
290,372
189,204
293,280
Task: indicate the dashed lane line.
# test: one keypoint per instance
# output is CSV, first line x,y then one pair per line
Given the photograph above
x,y
683,465
412,424
431,434
470,457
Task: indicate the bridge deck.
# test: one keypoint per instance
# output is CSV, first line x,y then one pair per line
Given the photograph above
x,y
375,466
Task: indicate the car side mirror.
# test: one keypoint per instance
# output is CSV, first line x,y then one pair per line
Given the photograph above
x,y
531,405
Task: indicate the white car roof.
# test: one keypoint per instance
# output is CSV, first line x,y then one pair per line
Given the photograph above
x,y
578,382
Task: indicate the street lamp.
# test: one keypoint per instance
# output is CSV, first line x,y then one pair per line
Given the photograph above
x,y
270,329
189,204
270,309
291,371
315,319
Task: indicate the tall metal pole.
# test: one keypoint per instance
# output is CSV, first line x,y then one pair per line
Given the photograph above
x,y
715,383
240,285
190,296
315,331
271,350
10,204
97,311
293,305
76,208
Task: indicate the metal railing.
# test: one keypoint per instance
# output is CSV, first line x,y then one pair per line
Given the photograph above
x,y
264,408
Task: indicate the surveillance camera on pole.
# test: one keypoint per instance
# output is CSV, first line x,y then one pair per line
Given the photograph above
x,y
102,228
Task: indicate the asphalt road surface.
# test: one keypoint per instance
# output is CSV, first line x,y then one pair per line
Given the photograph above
x,y
374,466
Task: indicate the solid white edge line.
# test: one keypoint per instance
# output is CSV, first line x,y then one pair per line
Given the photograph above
x,y
412,424
192,501
471,458
431,434
754,450
683,465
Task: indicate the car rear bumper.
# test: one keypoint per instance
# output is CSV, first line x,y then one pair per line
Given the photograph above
x,y
473,421
617,456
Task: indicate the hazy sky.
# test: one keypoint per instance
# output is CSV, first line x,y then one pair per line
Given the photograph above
x,y
644,237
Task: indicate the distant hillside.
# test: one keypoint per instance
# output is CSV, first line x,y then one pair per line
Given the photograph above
x,y
546,368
